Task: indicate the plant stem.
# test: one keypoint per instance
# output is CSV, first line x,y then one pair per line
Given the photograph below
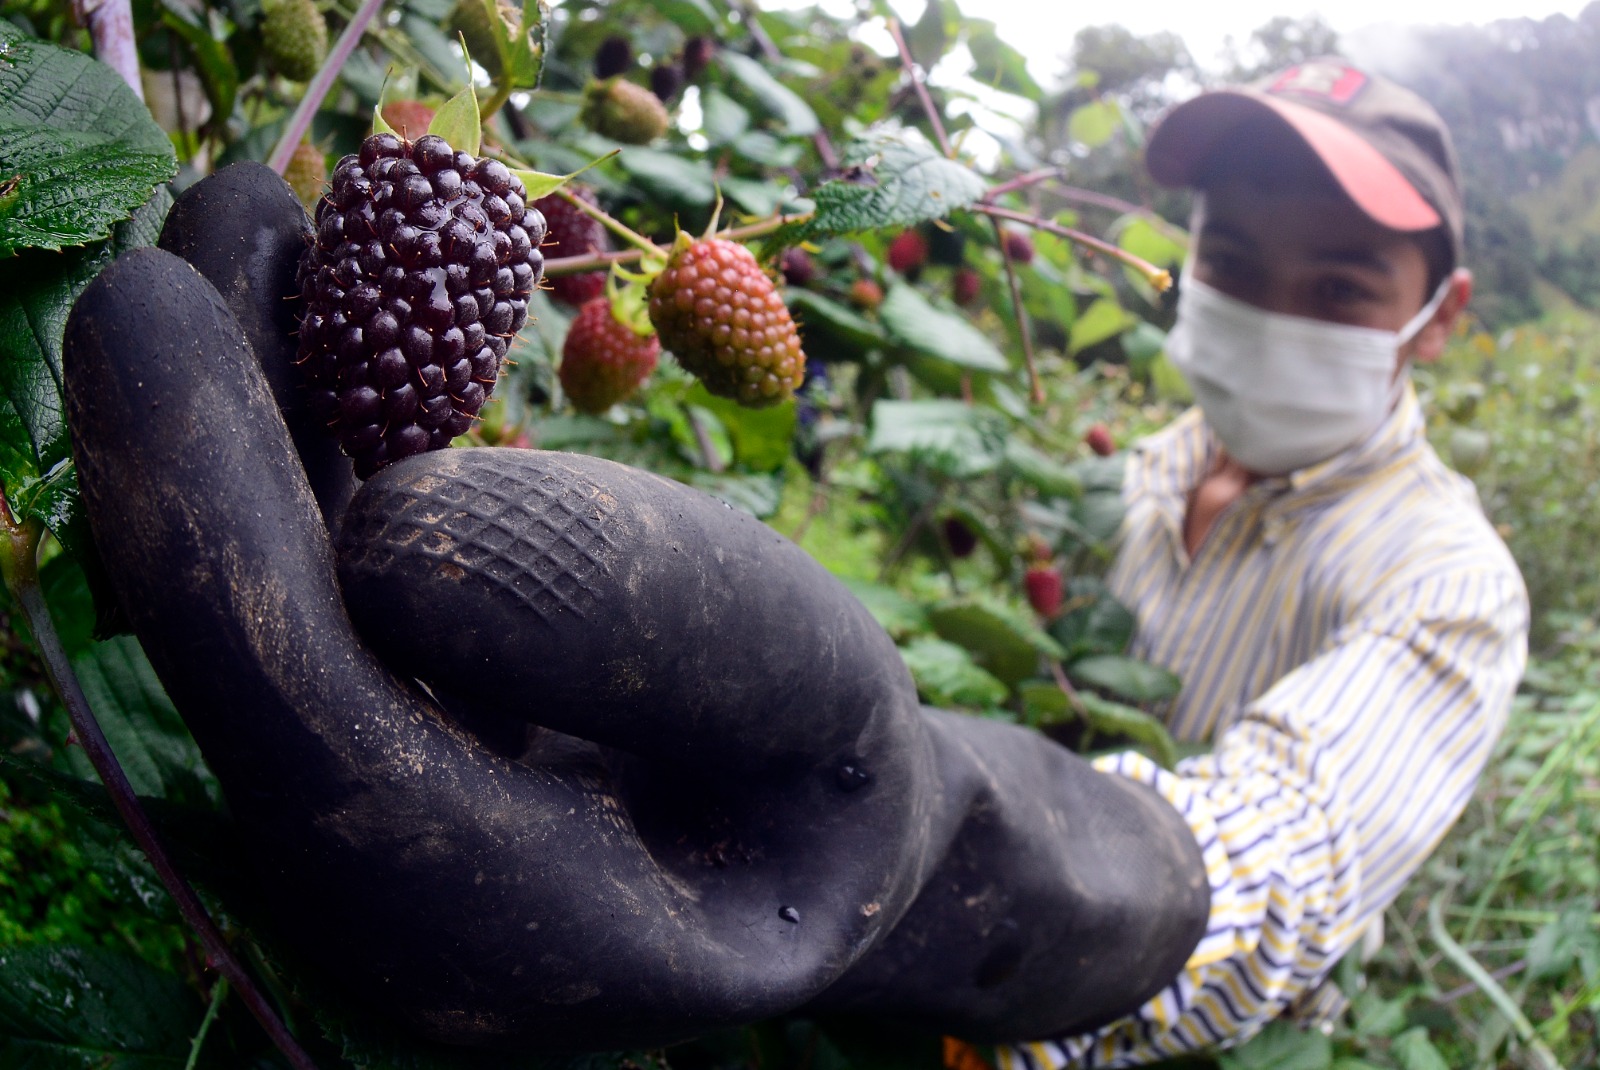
x,y
574,265
219,992
19,563
1543,1057
110,24
645,246
915,74
1024,324
321,82
1160,278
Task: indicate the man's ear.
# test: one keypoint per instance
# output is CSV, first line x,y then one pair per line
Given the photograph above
x,y
1431,340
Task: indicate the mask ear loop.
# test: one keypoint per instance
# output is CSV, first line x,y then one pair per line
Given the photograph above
x,y
1415,324
1412,328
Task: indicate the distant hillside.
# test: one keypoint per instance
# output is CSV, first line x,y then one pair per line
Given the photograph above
x,y
1522,98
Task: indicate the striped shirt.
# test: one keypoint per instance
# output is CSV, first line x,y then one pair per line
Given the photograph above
x,y
1349,636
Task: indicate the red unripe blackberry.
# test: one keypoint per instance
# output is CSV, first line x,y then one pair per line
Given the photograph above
x,y
965,286
1098,438
604,360
908,252
408,118
866,294
724,320
1019,247
696,55
797,267
419,276
1043,584
569,231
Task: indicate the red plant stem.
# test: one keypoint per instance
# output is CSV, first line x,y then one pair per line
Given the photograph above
x,y
19,560
321,82
110,24
914,73
1024,324
1160,278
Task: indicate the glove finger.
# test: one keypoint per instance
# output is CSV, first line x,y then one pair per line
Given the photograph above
x,y
610,603
244,229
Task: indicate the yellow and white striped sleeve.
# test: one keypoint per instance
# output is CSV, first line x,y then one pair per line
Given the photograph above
x,y
1319,802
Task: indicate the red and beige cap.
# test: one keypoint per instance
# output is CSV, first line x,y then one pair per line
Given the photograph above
x,y
1385,146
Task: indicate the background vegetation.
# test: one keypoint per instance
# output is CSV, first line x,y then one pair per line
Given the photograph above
x,y
922,462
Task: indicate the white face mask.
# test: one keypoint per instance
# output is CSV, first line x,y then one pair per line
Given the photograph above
x,y
1284,392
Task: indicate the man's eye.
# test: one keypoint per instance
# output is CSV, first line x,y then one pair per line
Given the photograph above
x,y
1342,291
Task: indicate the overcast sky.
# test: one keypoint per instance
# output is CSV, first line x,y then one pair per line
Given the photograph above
x,y
1042,29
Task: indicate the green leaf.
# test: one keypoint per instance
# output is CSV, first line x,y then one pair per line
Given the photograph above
x,y
930,36
524,68
1115,719
78,151
1000,66
1414,1051
758,495
889,181
1045,474
216,67
1142,237
762,438
722,117
754,196
817,315
794,115
76,1007
458,122
961,440
144,730
690,16
1128,678
946,675
666,176
1095,123
37,289
897,614
1094,621
1281,1046
1103,319
919,326
1044,703
1005,641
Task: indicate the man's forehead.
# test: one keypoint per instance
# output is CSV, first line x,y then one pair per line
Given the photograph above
x,y
1318,225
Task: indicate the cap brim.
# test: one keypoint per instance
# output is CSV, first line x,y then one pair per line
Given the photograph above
x,y
1184,141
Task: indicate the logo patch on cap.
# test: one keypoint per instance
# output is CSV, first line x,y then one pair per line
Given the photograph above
x,y
1332,82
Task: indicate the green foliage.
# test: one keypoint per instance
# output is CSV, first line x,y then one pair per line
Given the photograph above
x,y
80,151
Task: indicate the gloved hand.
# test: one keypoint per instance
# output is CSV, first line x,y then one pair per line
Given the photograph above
x,y
547,753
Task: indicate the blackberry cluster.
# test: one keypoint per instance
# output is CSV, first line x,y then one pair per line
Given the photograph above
x,y
420,274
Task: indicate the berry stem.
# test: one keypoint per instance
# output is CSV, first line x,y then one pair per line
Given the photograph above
x,y
19,561
574,265
1024,323
1160,278
110,25
321,82
916,75
645,246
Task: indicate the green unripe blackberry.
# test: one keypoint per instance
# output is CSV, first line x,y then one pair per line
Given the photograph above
x,y
618,109
294,37
419,276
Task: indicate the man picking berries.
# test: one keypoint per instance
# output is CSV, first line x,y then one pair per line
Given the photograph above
x,y
1348,626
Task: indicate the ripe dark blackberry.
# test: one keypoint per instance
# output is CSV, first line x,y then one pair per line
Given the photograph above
x,y
419,276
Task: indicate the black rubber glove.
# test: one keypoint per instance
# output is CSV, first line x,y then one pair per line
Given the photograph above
x,y
666,775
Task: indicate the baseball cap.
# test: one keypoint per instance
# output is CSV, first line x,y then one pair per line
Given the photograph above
x,y
1384,146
